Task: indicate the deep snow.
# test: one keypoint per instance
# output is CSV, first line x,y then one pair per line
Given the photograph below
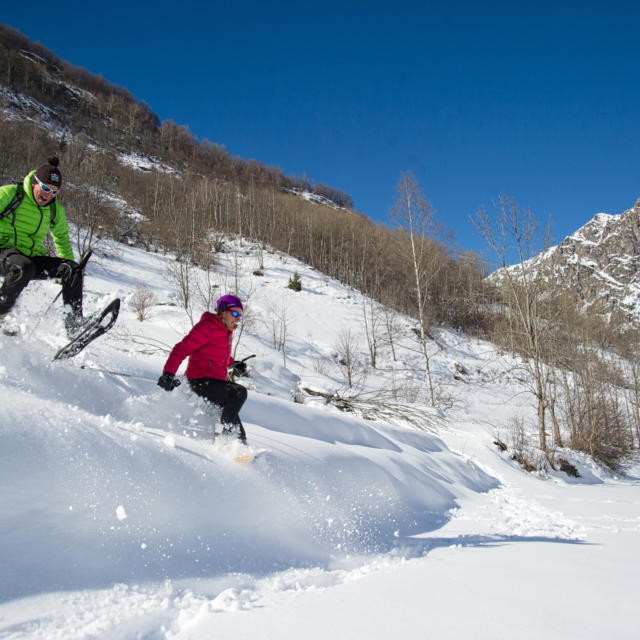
x,y
120,519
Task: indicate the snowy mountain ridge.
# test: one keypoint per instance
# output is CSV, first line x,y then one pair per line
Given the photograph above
x,y
599,262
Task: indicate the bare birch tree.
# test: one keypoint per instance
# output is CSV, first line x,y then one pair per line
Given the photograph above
x,y
513,233
414,213
371,317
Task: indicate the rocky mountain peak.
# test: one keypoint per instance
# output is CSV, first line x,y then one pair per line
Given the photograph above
x,y
601,263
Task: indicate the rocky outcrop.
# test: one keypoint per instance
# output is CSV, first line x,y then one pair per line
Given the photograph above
x,y
601,263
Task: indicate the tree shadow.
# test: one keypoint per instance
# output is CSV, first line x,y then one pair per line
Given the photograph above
x,y
418,547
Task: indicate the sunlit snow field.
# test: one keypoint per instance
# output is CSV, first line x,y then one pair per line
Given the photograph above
x,y
120,519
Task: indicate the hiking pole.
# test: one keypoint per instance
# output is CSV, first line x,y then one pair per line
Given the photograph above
x,y
125,374
122,374
81,266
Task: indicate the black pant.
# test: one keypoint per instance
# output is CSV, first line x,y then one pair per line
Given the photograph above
x,y
18,270
227,395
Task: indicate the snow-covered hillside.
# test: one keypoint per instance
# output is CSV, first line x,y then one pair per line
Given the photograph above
x,y
120,519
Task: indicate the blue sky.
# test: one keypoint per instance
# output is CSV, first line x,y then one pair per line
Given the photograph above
x,y
539,101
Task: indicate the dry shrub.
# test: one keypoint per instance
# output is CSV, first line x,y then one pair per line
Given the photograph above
x,y
142,301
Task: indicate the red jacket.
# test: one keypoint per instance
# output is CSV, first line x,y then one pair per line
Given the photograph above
x,y
208,346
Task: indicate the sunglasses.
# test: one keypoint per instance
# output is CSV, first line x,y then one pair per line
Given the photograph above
x,y
236,314
45,188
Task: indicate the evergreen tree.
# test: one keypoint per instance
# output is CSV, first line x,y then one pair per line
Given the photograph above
x,y
295,283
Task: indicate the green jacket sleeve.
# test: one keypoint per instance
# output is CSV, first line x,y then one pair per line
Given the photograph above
x,y
60,233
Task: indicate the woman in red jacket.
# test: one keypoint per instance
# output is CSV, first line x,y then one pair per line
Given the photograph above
x,y
208,347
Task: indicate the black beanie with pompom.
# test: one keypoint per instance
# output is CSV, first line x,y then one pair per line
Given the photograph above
x,y
49,173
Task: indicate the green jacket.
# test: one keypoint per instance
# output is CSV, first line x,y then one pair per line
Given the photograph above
x,y
28,230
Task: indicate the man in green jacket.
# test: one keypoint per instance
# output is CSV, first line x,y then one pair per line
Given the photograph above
x,y
27,213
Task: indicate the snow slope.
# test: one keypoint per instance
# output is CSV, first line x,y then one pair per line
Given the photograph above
x,y
119,518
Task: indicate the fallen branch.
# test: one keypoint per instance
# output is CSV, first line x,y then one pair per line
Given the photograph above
x,y
376,408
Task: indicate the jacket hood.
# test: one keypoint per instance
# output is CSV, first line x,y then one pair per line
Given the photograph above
x,y
212,317
26,184
207,315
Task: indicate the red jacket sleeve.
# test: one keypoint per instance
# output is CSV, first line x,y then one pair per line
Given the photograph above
x,y
194,340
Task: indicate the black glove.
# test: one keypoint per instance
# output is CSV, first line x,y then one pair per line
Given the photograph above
x,y
239,367
168,381
68,271
64,270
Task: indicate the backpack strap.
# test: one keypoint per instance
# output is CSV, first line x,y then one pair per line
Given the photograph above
x,y
16,201
10,209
